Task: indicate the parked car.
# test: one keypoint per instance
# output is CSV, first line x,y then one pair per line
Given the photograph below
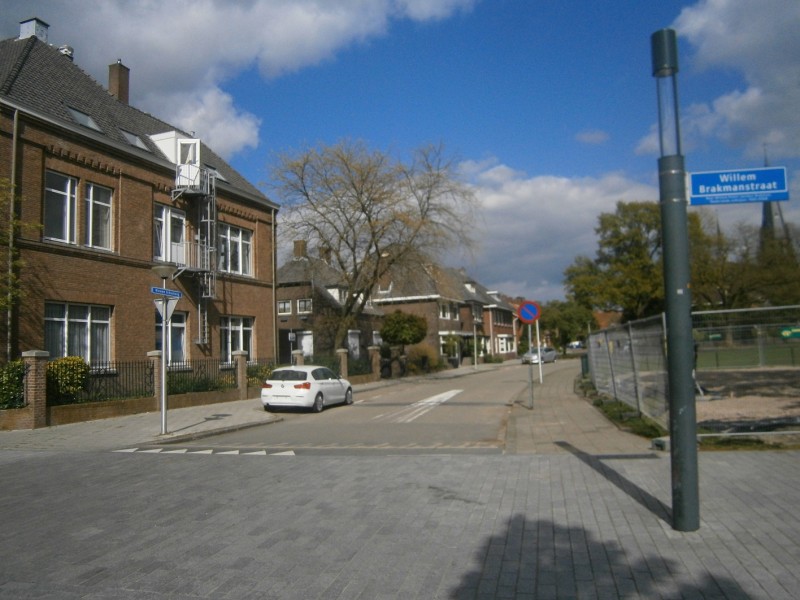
x,y
531,357
306,386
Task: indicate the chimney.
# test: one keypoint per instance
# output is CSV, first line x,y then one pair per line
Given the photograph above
x,y
119,77
300,249
33,27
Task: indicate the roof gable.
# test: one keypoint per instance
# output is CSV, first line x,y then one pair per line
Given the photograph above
x,y
37,77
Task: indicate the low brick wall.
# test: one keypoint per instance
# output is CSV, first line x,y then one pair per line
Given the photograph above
x,y
16,418
26,418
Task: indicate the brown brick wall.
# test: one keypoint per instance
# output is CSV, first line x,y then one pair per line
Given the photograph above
x,y
122,278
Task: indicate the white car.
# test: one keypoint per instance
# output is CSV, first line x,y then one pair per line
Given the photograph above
x,y
306,386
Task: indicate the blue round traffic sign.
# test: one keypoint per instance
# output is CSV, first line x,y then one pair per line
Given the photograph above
x,y
529,311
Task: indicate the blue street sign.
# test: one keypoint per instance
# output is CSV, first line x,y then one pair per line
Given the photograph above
x,y
529,311
766,184
166,292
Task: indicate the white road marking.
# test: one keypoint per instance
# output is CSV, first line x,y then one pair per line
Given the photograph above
x,y
419,408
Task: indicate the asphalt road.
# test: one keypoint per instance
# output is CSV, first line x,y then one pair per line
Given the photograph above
x,y
434,415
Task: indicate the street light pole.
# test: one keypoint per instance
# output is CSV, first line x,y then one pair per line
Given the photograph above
x,y
165,272
678,301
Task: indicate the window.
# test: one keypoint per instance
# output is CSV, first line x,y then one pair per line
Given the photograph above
x,y
448,310
78,330
284,307
235,333
134,140
98,216
83,119
59,207
304,305
234,250
176,337
169,230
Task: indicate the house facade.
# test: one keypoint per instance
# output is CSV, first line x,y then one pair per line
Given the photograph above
x,y
309,301
465,320
103,193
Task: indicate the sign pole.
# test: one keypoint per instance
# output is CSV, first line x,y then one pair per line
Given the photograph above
x,y
528,312
530,369
169,298
164,325
539,349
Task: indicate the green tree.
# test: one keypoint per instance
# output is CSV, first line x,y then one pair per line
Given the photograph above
x,y
566,321
626,273
372,213
401,329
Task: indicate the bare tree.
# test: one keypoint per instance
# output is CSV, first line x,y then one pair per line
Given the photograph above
x,y
371,213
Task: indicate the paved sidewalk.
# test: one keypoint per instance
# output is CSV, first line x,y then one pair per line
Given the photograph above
x,y
577,509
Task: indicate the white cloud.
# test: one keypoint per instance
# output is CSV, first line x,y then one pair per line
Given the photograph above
x,y
181,52
594,137
760,41
425,10
536,226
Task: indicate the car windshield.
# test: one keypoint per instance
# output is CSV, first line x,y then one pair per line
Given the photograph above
x,y
288,375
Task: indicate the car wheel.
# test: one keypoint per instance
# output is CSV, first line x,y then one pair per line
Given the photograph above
x,y
348,396
266,408
319,403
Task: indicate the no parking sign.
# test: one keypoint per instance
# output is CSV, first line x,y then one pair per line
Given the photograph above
x,y
529,311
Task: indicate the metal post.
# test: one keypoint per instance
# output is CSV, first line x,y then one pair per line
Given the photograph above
x,y
530,367
539,350
164,325
680,347
164,271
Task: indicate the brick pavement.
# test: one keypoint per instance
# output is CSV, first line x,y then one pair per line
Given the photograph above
x,y
573,514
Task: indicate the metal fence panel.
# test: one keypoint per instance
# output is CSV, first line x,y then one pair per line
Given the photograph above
x,y
628,362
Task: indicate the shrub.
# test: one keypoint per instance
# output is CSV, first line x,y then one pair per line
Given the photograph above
x,y
422,358
66,379
12,385
256,374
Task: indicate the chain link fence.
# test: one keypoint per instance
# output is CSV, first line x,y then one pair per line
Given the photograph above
x,y
628,362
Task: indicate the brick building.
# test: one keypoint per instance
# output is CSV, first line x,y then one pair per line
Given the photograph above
x,y
105,192
309,308
462,314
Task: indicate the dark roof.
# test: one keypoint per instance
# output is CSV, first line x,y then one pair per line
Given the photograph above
x,y
307,270
37,77
429,280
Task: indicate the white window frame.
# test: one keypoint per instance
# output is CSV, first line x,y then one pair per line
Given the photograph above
x,y
60,206
176,337
284,307
99,216
304,306
79,330
235,333
235,248
165,247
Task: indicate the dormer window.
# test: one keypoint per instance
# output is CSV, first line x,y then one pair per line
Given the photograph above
x,y
83,119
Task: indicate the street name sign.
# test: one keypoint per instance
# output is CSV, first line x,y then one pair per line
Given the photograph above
x,y
767,184
166,292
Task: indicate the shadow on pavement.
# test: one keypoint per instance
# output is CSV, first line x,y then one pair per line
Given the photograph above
x,y
643,497
541,559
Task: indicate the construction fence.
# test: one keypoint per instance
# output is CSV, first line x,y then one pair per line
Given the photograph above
x,y
628,362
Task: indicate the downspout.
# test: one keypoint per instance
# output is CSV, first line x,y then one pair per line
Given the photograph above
x,y
12,230
274,290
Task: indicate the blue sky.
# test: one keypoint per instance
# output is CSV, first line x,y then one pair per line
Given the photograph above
x,y
549,106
